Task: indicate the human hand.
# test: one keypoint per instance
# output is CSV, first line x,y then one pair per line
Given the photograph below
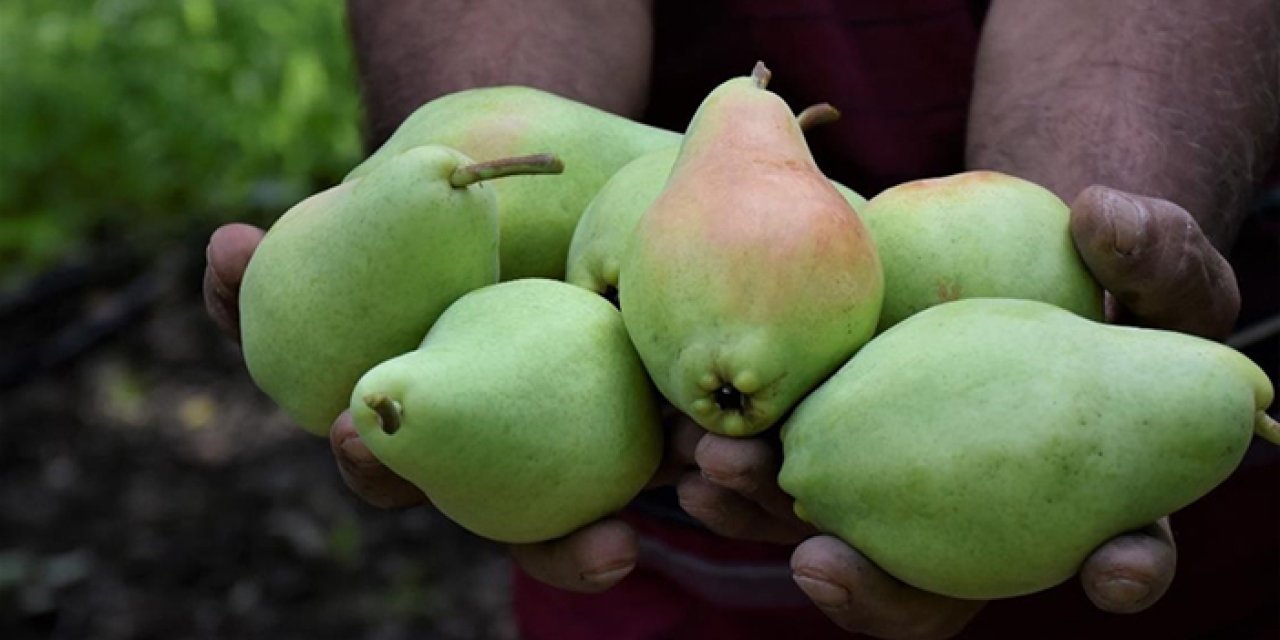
x,y
591,559
1159,271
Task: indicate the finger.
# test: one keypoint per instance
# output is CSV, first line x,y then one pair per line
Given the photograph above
x,y
729,514
219,303
682,439
1157,263
748,466
588,560
860,597
1131,572
227,256
364,474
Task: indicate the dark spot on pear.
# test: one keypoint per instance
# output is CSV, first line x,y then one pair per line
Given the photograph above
x,y
728,398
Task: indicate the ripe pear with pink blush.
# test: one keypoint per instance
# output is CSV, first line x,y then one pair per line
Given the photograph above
x,y
979,234
537,217
750,278
595,255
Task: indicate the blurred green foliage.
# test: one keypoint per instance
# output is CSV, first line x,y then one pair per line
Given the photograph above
x,y
142,120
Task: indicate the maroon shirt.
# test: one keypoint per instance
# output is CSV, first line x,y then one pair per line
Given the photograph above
x,y
900,72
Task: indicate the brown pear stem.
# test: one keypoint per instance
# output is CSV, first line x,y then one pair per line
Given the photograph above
x,y
470,174
760,75
387,410
817,115
1267,427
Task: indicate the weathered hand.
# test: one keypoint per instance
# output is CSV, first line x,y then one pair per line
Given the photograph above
x,y
729,484
1157,266
591,559
1159,271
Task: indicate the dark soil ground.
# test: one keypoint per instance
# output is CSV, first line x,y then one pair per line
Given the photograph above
x,y
148,490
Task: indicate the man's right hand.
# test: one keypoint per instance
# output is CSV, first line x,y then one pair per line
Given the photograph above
x,y
588,560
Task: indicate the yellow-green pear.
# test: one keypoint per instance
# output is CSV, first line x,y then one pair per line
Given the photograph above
x,y
979,234
524,416
356,274
601,236
984,448
537,216
750,278
595,254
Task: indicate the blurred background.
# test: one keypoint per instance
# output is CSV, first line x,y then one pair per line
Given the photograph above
x,y
147,490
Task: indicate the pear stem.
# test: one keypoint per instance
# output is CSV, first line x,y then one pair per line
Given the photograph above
x,y
817,115
386,409
760,75
470,174
1266,426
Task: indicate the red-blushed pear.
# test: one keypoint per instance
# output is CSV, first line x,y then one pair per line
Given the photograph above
x,y
979,234
356,274
750,278
595,255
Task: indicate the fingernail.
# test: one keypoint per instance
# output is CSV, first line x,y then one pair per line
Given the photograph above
x,y
823,592
1126,224
608,575
1122,591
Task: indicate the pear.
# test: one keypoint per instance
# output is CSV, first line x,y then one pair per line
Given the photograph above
x,y
984,448
525,415
600,238
537,216
602,232
979,234
750,278
356,274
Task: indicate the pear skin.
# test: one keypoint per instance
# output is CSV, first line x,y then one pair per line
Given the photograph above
x,y
750,278
979,234
984,448
524,416
595,254
356,274
537,216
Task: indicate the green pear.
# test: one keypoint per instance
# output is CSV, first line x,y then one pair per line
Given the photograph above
x,y
525,415
537,216
595,251
356,274
979,234
750,278
984,448
595,254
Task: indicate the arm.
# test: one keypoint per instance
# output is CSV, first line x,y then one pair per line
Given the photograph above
x,y
411,51
1175,106
1175,101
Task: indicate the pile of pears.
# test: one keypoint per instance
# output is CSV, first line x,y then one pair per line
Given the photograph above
x,y
507,293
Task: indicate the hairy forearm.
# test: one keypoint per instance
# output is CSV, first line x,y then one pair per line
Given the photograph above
x,y
1177,100
411,51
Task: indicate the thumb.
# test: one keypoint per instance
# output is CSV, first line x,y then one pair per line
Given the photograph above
x,y
227,256
1156,262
